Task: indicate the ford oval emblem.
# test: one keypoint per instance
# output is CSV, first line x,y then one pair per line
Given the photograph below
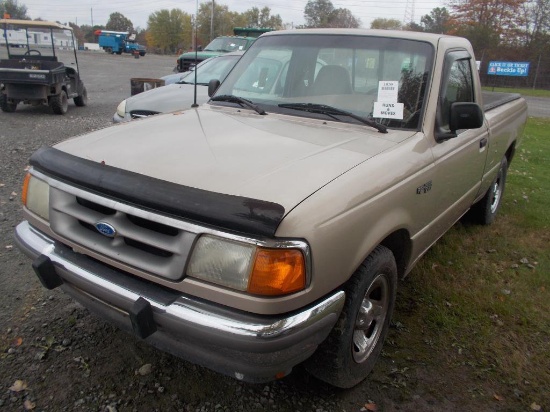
x,y
105,229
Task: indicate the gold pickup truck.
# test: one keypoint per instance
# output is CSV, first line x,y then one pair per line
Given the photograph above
x,y
270,226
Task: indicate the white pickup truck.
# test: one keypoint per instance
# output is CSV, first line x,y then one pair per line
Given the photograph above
x,y
270,226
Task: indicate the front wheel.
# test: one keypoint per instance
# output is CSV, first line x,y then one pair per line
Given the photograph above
x,y
59,103
485,211
350,352
5,105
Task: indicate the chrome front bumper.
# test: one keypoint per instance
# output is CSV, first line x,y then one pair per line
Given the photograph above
x,y
246,346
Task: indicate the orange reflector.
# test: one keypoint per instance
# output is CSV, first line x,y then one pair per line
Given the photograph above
x,y
25,188
277,272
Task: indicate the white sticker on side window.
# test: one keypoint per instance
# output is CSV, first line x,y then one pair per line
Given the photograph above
x,y
387,91
386,110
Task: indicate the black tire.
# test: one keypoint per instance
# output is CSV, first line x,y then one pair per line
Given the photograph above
x,y
81,100
350,352
142,54
5,105
485,211
59,103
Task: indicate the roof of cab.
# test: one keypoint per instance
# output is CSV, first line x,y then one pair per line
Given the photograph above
x,y
35,23
400,34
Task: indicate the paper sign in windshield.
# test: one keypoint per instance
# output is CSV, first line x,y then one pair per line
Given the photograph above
x,y
387,110
387,91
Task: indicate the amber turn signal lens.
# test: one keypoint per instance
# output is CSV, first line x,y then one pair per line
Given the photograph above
x,y
25,188
277,272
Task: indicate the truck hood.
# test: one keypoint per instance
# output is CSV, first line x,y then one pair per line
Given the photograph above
x,y
202,55
168,98
275,158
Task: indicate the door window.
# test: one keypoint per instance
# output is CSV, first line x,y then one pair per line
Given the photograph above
x,y
458,87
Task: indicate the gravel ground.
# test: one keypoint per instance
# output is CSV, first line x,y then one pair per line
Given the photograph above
x,y
55,356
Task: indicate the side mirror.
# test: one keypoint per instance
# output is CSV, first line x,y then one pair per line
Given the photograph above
x,y
465,115
213,86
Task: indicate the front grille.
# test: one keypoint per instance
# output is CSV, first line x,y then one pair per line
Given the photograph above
x,y
142,239
137,114
186,65
95,206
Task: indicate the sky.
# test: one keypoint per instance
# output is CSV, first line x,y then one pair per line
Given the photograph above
x,y
291,11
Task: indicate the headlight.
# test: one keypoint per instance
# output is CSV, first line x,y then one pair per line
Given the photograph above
x,y
121,109
36,196
247,267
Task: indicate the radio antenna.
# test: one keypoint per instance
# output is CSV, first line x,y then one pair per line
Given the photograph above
x,y
196,58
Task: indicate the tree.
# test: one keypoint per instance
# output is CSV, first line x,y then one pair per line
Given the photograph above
x,y
78,33
535,24
317,13
438,21
13,9
221,22
118,22
321,13
141,35
255,17
169,30
487,23
386,24
412,26
343,18
88,32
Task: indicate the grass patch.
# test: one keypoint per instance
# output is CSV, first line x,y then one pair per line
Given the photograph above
x,y
522,91
478,304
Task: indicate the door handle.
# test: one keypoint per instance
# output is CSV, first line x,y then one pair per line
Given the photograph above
x,y
483,142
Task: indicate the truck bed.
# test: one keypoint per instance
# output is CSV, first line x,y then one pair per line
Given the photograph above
x,y
31,71
492,100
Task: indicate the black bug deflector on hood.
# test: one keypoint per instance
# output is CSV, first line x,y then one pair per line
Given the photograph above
x,y
235,213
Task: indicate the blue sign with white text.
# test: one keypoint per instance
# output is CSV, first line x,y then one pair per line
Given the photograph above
x,y
508,68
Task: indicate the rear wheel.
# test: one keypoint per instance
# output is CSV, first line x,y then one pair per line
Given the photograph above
x,y
485,211
8,107
349,353
59,103
81,100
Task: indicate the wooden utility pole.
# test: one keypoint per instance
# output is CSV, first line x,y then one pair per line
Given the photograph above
x,y
212,22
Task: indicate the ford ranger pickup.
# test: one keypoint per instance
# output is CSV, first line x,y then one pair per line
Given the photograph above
x,y
269,226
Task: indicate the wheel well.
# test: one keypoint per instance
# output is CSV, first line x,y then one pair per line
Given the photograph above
x,y
399,243
511,152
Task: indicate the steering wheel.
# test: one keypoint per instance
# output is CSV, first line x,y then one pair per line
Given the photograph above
x,y
28,52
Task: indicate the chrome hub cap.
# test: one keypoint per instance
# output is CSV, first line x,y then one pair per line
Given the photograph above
x,y
370,318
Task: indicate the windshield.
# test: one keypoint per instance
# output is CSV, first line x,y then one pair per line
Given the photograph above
x,y
214,68
372,77
37,43
226,44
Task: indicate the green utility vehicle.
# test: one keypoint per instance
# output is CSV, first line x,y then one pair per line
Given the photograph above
x,y
39,66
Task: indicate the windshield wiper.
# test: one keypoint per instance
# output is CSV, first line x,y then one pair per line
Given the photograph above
x,y
238,100
333,111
